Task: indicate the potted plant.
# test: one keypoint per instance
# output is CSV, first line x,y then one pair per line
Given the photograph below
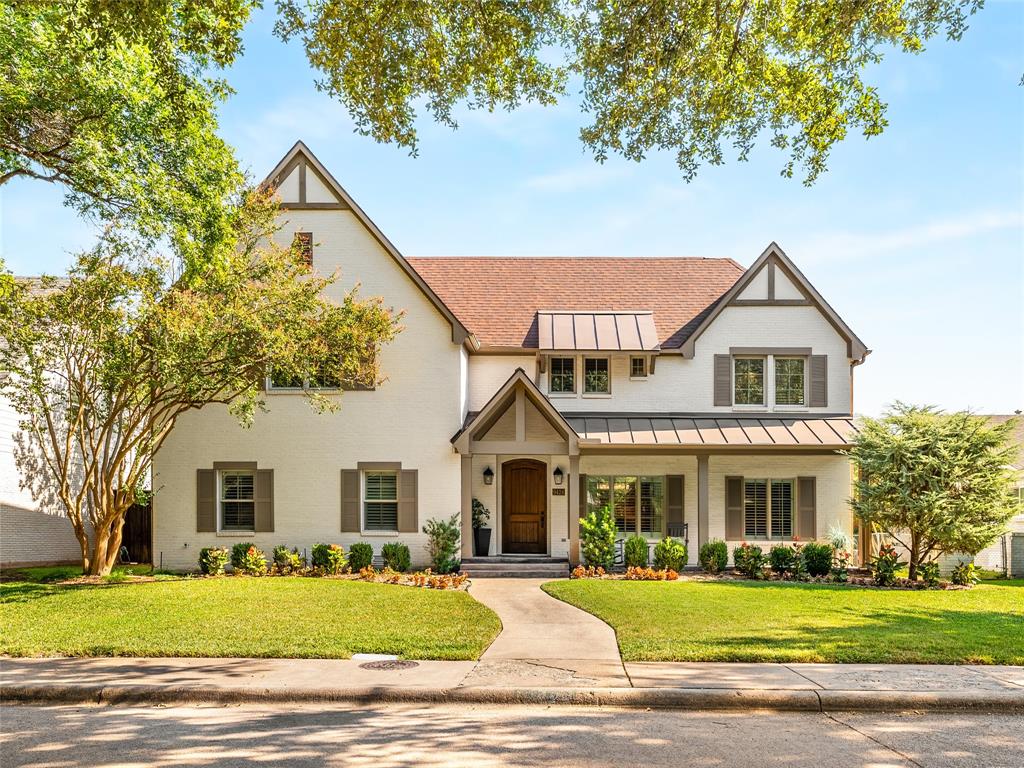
x,y
481,533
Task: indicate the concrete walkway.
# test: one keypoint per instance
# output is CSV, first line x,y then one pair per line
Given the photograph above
x,y
543,641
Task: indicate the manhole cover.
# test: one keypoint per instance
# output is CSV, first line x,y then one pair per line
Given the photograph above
x,y
385,666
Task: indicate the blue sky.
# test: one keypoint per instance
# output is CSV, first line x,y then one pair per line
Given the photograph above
x,y
915,237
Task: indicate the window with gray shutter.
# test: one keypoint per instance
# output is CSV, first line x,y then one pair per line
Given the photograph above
x,y
350,501
264,498
380,501
408,501
807,499
206,501
723,380
734,508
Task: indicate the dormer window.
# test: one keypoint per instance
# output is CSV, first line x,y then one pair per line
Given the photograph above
x,y
596,379
638,367
562,376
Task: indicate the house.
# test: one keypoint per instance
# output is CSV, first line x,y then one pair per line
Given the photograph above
x,y
1006,554
691,395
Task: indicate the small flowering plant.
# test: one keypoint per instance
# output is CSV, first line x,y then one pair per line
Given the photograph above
x,y
328,558
253,562
884,565
749,560
840,566
212,560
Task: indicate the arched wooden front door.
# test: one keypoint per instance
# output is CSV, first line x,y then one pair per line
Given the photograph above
x,y
524,507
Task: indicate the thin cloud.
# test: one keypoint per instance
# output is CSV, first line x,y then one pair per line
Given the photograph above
x,y
586,176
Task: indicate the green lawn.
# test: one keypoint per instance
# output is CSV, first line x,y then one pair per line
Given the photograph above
x,y
756,621
270,617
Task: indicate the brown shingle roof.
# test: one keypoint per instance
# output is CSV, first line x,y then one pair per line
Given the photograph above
x,y
497,298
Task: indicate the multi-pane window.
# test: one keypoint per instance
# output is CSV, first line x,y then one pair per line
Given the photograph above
x,y
637,503
237,500
562,376
280,380
748,381
768,507
595,376
789,381
380,501
638,367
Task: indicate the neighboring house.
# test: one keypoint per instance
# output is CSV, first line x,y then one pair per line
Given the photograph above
x,y
1007,553
33,529
693,396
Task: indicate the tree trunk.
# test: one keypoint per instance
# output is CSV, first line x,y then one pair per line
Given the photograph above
x,y
915,556
107,546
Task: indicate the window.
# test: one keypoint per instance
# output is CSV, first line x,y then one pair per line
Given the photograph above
x,y
638,367
237,500
303,245
595,376
768,506
322,379
380,501
748,381
637,503
562,379
789,381
280,380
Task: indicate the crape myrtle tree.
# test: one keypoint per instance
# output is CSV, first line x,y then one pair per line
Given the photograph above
x,y
117,100
934,482
102,363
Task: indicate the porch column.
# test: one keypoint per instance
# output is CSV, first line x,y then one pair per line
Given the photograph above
x,y
574,509
702,499
467,506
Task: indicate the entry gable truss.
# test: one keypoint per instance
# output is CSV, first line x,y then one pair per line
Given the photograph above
x,y
303,183
509,423
774,280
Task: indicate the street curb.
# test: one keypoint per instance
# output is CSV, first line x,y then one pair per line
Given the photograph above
x,y
800,700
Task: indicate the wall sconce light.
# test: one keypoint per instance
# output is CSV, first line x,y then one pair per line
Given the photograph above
x,y
558,475
488,476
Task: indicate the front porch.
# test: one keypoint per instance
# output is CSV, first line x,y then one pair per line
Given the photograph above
x,y
537,471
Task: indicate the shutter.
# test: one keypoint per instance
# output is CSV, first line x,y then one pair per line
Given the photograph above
x,y
819,381
264,522
674,502
206,501
734,508
350,501
807,508
407,485
723,380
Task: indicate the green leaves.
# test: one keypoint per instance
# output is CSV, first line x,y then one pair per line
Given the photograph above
x,y
935,482
691,77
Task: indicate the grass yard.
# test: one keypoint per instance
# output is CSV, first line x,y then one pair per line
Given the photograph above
x,y
250,617
756,621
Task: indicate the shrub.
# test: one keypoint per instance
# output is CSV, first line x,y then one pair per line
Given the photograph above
x,y
597,538
634,573
840,564
443,543
884,565
253,562
929,573
238,552
288,560
670,554
582,572
481,515
396,556
713,556
799,570
635,551
965,575
328,558
360,555
817,558
749,560
780,557
212,560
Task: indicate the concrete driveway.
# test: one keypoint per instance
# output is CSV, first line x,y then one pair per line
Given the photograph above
x,y
544,641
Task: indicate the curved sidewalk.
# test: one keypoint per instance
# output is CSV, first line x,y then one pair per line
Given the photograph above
x,y
543,641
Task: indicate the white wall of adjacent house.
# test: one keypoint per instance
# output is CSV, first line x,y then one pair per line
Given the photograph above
x,y
408,419
30,533
687,385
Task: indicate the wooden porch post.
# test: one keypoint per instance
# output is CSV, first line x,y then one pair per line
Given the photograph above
x,y
703,515
574,509
467,506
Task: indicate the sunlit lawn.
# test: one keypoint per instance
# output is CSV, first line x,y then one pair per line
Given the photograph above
x,y
250,617
756,621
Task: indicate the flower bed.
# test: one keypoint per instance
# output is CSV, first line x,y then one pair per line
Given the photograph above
x,y
632,573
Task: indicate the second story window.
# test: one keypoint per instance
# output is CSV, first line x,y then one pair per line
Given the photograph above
x,y
789,381
638,367
595,376
748,381
562,378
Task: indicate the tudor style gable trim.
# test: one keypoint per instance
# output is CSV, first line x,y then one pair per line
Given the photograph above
x,y
770,263
301,160
515,394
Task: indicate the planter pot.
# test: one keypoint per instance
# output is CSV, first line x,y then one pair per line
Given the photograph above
x,y
481,541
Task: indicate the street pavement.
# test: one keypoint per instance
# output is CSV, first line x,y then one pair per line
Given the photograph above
x,y
482,736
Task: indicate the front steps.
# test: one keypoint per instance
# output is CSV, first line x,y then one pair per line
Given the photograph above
x,y
516,566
